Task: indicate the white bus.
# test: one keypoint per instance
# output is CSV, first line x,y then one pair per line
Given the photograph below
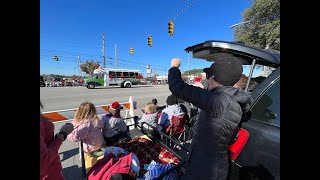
x,y
112,77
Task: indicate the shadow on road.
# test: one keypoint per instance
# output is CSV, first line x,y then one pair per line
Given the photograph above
x,y
123,88
69,154
72,173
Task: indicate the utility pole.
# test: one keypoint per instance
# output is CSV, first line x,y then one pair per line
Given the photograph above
x,y
116,54
103,51
79,66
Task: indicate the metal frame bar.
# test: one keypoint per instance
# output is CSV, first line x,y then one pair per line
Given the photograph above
x,y
181,163
250,74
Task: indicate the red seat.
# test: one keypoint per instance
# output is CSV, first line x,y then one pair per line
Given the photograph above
x,y
177,124
238,145
177,127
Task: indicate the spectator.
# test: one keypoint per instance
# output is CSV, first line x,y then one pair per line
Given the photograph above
x,y
222,107
50,165
197,82
172,109
241,84
81,82
158,108
149,116
115,129
87,128
155,102
254,82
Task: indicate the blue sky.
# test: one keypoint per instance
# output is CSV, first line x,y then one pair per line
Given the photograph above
x,y
74,28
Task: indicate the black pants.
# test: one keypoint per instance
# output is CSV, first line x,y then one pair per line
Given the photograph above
x,y
121,137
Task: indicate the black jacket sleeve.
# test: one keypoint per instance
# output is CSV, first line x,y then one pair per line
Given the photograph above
x,y
197,96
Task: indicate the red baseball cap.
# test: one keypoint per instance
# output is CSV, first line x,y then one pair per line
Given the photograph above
x,y
115,105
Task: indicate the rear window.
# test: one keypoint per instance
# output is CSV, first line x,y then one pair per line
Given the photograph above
x,y
259,74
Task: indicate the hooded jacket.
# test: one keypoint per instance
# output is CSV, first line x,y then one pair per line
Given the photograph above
x,y
168,112
221,112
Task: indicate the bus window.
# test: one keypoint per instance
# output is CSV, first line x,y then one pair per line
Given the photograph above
x,y
132,74
136,74
113,74
119,74
126,75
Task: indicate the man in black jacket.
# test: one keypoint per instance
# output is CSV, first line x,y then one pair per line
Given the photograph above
x,y
222,106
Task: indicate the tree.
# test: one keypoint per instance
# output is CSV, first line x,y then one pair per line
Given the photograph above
x,y
196,72
263,29
89,66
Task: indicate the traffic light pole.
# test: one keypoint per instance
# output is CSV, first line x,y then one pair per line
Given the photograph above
x,y
103,52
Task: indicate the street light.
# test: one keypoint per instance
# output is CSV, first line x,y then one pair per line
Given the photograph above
x,y
240,23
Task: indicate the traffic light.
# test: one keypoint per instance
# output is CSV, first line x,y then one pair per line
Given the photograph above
x,y
150,41
131,51
55,58
170,24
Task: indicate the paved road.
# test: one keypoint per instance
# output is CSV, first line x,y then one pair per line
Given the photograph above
x,y
59,98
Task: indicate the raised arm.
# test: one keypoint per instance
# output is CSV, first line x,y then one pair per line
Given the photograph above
x,y
197,96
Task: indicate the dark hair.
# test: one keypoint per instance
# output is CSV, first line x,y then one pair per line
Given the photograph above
x,y
171,100
154,101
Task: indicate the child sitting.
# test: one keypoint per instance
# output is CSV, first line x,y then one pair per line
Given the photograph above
x,y
87,128
149,116
115,129
173,109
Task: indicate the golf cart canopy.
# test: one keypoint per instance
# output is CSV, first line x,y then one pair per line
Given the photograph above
x,y
213,50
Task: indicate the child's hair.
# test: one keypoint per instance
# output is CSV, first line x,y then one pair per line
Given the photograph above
x,y
86,110
171,100
150,108
154,101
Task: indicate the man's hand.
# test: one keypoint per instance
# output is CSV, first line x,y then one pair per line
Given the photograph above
x,y
175,62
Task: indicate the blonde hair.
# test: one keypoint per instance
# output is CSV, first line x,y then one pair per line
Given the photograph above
x,y
150,108
86,111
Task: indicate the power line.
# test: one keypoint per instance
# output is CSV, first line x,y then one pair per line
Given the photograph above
x,y
90,55
183,10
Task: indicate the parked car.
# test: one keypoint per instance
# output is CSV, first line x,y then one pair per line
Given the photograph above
x,y
260,157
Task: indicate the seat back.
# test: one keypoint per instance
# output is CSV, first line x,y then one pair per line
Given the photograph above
x,y
177,124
